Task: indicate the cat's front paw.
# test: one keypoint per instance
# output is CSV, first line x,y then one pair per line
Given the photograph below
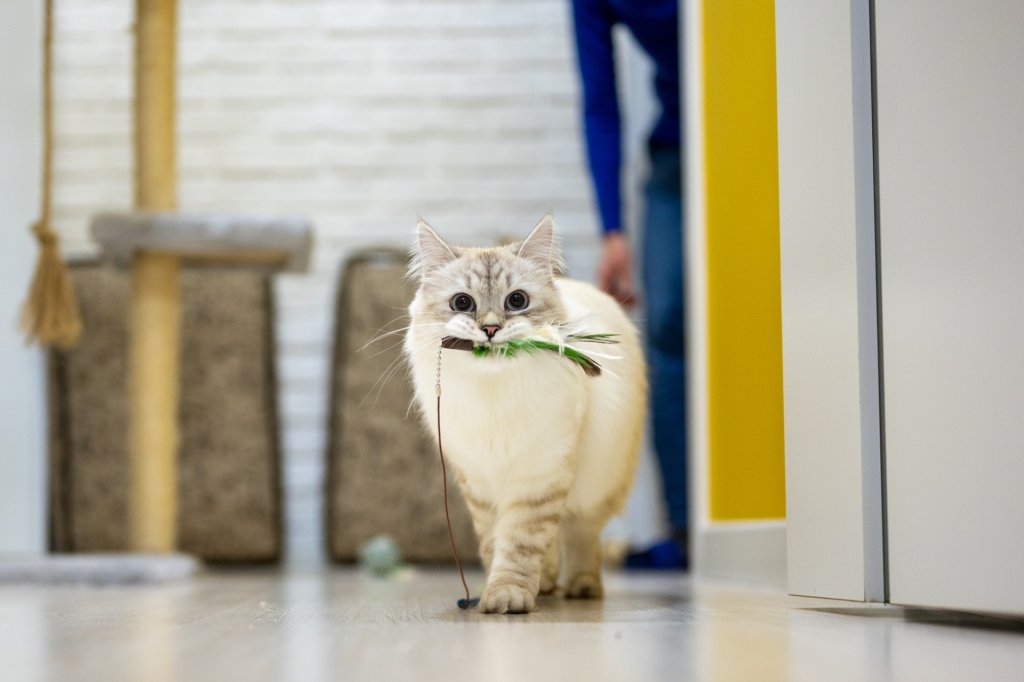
x,y
502,597
584,586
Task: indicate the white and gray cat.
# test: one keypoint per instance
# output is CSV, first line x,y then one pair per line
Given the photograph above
x,y
543,453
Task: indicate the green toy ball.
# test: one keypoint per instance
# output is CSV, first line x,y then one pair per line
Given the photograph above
x,y
381,555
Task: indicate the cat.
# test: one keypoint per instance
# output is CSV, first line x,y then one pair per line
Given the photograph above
x,y
543,453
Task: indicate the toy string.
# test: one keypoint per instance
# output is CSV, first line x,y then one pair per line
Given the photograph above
x,y
468,601
590,367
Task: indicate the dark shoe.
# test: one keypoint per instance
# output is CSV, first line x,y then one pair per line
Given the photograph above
x,y
667,555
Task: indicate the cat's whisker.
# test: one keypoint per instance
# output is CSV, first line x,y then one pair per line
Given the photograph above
x,y
378,387
393,368
382,380
380,330
392,333
387,349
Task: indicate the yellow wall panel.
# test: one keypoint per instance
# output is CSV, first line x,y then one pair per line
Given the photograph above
x,y
746,455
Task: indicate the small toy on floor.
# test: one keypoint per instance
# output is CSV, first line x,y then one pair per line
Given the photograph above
x,y
381,555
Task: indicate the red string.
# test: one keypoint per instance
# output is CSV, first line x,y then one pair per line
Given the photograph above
x,y
463,604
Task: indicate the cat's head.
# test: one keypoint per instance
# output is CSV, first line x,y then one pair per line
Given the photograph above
x,y
489,296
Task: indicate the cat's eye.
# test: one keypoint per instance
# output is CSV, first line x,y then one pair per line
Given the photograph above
x,y
462,303
516,301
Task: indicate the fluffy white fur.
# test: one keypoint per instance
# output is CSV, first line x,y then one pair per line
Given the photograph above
x,y
543,453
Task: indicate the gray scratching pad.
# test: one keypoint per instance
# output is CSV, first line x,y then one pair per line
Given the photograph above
x,y
96,569
89,421
383,470
229,475
271,243
229,461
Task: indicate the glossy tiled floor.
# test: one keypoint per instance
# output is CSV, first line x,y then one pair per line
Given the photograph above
x,y
343,625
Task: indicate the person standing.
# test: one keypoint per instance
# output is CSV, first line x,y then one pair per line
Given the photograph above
x,y
655,26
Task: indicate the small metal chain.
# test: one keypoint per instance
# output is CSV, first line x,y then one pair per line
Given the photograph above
x,y
437,378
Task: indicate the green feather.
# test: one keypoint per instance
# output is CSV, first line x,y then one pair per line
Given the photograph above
x,y
594,338
513,348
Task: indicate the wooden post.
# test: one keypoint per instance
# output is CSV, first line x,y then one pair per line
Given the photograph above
x,y
155,313
155,303
156,172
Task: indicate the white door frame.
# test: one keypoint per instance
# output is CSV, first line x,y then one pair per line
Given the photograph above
x,y
830,310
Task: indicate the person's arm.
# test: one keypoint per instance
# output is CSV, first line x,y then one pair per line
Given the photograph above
x,y
595,52
593,21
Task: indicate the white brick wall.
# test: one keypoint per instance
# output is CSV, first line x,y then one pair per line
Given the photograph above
x,y
359,114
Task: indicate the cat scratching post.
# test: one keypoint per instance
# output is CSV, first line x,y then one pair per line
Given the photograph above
x,y
156,242
155,302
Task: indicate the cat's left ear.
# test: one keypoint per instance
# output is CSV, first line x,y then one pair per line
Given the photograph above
x,y
432,252
542,246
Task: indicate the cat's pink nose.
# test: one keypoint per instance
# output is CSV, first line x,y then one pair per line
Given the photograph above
x,y
490,329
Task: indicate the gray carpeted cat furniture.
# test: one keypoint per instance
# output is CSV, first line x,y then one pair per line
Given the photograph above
x,y
229,461
384,476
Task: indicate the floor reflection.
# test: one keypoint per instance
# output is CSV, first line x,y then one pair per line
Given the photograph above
x,y
342,624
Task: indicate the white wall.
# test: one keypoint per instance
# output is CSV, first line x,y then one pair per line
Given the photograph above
x,y
829,317
360,115
22,413
951,171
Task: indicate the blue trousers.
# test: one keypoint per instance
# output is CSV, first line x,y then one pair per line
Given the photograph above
x,y
662,267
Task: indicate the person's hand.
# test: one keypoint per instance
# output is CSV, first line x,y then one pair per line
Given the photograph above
x,y
615,272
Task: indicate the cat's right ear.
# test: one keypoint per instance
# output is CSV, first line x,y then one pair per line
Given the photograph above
x,y
431,251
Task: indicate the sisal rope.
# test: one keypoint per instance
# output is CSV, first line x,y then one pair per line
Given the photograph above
x,y
50,314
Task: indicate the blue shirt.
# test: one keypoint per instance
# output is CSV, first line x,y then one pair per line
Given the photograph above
x,y
655,25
